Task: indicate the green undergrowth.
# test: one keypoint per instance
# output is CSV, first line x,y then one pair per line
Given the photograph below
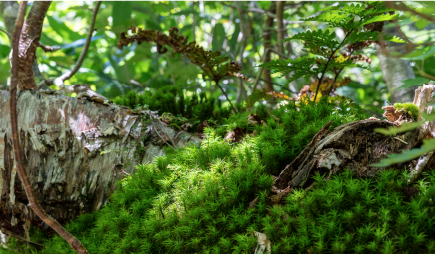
x,y
291,127
206,211
171,99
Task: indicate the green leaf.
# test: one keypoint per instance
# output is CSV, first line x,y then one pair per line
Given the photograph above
x,y
4,51
369,35
62,29
258,95
301,66
380,18
233,41
420,54
413,82
334,18
218,37
395,130
316,38
121,14
428,146
264,4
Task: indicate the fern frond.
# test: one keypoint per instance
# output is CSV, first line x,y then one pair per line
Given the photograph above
x,y
316,38
360,10
301,66
370,36
384,17
336,19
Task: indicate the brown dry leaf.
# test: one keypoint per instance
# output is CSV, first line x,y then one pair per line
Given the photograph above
x,y
253,119
236,135
186,126
391,114
253,203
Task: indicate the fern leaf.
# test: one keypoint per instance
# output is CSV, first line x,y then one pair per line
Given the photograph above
x,y
300,67
334,18
370,35
379,18
316,38
360,10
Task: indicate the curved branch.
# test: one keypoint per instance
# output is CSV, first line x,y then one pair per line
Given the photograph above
x,y
59,81
30,36
17,36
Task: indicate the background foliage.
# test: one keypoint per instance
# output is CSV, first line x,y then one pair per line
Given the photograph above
x,y
213,25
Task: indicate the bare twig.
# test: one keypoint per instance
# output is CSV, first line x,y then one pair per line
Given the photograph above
x,y
59,81
422,161
423,73
226,96
402,7
8,34
47,48
155,129
33,203
12,234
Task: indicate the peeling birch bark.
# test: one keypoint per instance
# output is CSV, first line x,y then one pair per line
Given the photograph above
x,y
62,139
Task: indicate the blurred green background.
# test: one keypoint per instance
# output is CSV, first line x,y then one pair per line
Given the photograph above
x,y
237,29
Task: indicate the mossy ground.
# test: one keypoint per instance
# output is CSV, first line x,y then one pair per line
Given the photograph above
x,y
196,199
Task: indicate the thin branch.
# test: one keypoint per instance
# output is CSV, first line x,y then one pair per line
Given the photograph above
x,y
33,203
47,48
327,63
226,96
423,73
8,34
402,7
59,81
158,134
12,234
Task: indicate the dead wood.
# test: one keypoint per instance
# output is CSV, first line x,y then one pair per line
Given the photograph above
x,y
352,146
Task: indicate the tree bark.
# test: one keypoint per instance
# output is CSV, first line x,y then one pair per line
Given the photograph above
x,y
395,71
62,139
353,146
29,40
267,37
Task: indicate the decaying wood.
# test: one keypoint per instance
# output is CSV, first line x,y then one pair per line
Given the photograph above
x,y
62,139
356,145
353,146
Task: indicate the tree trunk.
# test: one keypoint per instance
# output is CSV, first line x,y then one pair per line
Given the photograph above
x,y
395,71
267,37
62,139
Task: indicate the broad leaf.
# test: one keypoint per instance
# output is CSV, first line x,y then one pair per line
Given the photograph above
x,y
413,82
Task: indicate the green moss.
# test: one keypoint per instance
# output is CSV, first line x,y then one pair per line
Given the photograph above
x,y
170,99
410,108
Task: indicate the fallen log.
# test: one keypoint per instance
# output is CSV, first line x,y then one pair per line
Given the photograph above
x,y
75,150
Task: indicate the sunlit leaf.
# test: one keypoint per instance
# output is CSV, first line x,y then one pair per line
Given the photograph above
x,y
121,14
418,81
218,37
